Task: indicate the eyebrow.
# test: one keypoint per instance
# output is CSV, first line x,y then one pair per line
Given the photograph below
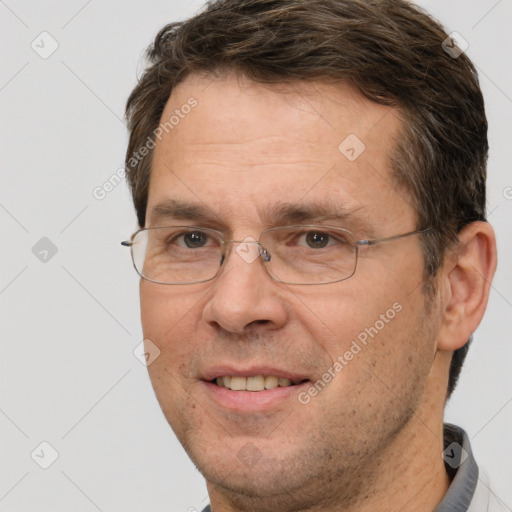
x,y
281,214
288,213
351,218
174,209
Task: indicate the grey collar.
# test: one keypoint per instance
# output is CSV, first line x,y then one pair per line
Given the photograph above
x,y
461,467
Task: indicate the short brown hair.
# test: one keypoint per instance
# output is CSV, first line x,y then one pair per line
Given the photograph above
x,y
390,49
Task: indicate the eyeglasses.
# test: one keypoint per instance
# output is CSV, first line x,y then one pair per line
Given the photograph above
x,y
302,255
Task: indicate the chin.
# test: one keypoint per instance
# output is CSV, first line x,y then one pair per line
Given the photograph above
x,y
239,467
259,482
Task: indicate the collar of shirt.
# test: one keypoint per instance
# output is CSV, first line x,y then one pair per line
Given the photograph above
x,y
461,468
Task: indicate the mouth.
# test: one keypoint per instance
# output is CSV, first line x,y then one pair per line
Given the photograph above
x,y
255,383
256,389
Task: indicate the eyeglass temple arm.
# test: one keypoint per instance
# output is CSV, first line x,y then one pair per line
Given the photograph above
x,y
376,241
127,243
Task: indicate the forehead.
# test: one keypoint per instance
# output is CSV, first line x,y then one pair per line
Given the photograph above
x,y
245,148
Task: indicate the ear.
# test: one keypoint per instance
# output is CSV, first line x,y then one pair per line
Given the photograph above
x,y
466,282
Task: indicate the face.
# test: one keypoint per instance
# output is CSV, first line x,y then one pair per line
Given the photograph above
x,y
357,352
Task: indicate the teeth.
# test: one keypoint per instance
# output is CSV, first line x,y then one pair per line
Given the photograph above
x,y
238,383
271,382
256,383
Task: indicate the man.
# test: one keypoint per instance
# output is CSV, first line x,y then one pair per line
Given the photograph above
x,y
309,179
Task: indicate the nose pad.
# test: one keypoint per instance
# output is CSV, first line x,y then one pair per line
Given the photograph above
x,y
249,249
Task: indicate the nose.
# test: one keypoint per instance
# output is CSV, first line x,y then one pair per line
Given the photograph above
x,y
244,297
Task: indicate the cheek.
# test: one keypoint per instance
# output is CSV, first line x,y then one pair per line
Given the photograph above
x,y
165,310
169,321
348,311
397,351
372,326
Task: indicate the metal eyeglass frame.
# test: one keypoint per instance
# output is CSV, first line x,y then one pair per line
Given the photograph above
x,y
263,253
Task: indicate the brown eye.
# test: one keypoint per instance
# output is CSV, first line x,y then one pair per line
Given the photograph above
x,y
317,240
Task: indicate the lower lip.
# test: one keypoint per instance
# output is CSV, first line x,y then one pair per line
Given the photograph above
x,y
252,401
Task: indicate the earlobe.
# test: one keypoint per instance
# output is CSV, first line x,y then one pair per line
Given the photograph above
x,y
466,280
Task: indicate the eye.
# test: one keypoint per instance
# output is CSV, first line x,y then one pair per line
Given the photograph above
x,y
181,239
320,239
317,239
193,239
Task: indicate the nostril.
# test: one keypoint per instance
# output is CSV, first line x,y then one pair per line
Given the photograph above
x,y
259,322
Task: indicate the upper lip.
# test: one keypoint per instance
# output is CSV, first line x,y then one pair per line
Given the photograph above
x,y
221,371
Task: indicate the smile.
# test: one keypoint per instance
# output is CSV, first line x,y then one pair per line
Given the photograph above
x,y
256,383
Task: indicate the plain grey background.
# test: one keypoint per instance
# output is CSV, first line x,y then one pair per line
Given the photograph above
x,y
68,293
